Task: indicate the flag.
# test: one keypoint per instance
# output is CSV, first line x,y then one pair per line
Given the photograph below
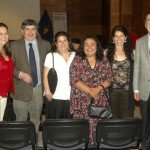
x,y
45,27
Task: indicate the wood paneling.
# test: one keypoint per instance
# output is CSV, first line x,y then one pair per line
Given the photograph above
x,y
53,6
114,13
137,16
106,19
126,14
84,17
100,16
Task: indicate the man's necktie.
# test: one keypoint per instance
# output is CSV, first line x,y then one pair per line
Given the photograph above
x,y
33,67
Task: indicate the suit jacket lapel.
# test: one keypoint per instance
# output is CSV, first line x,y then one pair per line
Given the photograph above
x,y
40,53
146,48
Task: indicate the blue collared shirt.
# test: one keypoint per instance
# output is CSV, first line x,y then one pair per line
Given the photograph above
x,y
37,58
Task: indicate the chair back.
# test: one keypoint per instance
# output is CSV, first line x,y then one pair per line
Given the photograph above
x,y
68,134
118,133
17,135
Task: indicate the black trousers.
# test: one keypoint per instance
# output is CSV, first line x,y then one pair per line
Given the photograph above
x,y
9,114
145,112
58,109
120,104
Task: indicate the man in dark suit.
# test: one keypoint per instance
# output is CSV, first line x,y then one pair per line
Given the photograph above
x,y
29,54
141,81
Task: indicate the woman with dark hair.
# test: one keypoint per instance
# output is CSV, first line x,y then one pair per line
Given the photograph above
x,y
89,71
121,58
63,56
6,69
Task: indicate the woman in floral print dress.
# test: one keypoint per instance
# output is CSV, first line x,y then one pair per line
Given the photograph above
x,y
89,70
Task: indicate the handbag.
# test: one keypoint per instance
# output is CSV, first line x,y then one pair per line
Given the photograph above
x,y
98,111
52,77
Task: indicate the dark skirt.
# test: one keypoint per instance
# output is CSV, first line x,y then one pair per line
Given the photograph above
x,y
58,109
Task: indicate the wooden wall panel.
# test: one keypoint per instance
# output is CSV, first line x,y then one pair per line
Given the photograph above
x,y
137,17
126,14
106,19
100,16
146,6
114,13
84,17
53,6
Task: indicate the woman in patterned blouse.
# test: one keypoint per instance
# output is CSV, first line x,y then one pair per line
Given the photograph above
x,y
120,56
89,70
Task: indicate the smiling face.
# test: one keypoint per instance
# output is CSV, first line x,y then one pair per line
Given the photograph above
x,y
3,36
62,44
90,47
29,32
147,23
119,38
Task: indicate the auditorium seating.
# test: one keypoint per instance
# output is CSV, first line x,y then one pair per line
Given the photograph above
x,y
17,135
65,134
118,133
71,134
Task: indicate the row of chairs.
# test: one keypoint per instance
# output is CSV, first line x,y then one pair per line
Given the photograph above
x,y
71,134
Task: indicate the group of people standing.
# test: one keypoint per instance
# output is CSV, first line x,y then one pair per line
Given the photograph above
x,y
81,76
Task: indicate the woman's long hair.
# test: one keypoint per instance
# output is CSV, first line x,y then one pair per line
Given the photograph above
x,y
99,52
6,46
127,44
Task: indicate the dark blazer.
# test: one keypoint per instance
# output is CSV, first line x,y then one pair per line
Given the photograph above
x,y
23,90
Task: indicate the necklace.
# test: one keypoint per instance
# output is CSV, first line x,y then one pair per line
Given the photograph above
x,y
119,53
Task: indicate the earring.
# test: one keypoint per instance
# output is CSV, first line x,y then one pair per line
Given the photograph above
x,y
125,41
113,42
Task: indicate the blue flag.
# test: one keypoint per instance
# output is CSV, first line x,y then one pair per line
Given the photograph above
x,y
45,27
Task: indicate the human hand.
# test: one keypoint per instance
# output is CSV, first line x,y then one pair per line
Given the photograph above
x,y
48,95
94,91
96,97
26,77
137,96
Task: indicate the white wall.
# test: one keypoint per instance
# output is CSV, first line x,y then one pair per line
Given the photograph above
x,y
13,12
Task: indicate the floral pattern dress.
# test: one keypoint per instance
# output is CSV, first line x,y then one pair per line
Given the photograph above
x,y
80,70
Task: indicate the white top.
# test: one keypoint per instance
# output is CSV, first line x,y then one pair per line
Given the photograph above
x,y
62,68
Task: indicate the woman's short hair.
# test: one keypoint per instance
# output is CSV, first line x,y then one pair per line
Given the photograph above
x,y
58,34
99,52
